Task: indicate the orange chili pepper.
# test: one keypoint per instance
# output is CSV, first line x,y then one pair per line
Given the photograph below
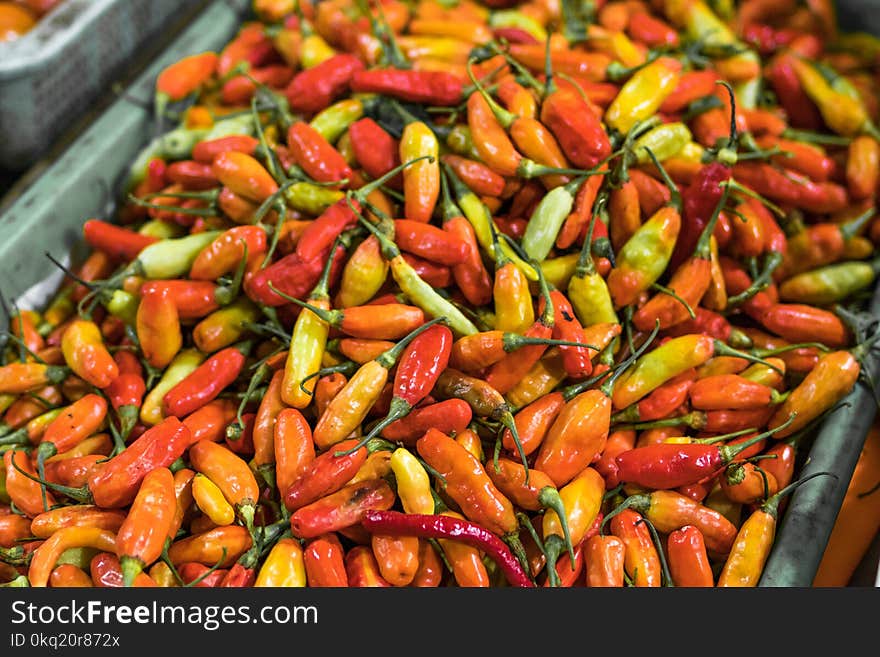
x,y
141,537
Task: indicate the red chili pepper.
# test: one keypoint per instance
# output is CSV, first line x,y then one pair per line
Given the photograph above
x,y
204,383
315,88
375,149
427,87
344,508
450,416
669,465
317,157
439,526
119,243
324,560
192,175
291,275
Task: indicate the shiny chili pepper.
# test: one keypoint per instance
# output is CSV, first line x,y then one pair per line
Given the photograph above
x,y
344,508
324,561
441,527
688,561
141,537
641,560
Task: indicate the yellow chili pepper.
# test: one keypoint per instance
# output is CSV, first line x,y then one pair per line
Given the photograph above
x,y
641,95
364,274
413,483
223,327
842,113
209,498
331,122
307,345
184,363
284,567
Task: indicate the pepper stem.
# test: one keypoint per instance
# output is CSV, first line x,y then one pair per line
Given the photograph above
x,y
854,226
722,349
332,317
549,498
664,567
505,118
730,452
772,261
771,506
674,194
620,369
508,421
640,501
81,495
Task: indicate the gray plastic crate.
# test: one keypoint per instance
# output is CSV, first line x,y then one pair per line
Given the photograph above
x,y
51,75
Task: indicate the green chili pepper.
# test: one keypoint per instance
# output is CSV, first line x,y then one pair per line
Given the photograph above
x,y
331,122
311,199
665,141
171,258
829,284
547,219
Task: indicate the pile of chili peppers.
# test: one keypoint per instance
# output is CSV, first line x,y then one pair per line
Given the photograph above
x,y
457,294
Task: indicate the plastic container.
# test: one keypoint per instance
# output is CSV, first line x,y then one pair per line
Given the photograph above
x,y
51,74
85,181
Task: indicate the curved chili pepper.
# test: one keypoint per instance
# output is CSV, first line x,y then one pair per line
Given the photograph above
x,y
442,527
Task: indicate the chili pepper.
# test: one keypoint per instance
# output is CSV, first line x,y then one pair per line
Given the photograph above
x,y
604,561
468,483
223,255
210,500
230,473
341,509
158,327
642,95
220,546
206,150
688,561
746,560
141,537
324,562
203,384
802,323
746,483
69,576
574,124
729,391
13,528
26,493
120,243
669,465
318,86
374,148
294,450
284,566
115,484
47,554
668,510
426,87
362,570
18,378
441,527
663,401
641,560
449,416
75,423
178,80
